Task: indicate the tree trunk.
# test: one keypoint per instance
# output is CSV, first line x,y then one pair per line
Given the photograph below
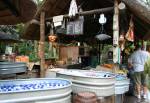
x,y
41,44
139,9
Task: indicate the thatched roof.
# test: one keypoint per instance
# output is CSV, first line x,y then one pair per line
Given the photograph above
x,y
58,7
16,11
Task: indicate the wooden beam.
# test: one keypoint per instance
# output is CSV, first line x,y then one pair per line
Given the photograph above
x,y
41,44
139,9
84,13
11,7
96,11
34,21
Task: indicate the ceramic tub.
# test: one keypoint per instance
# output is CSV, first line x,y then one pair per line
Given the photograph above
x,y
101,83
12,67
35,91
122,84
51,73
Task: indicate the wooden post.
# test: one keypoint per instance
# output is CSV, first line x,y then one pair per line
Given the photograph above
x,y
41,44
116,33
115,38
113,99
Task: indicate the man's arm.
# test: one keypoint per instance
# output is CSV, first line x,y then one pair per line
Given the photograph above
x,y
130,64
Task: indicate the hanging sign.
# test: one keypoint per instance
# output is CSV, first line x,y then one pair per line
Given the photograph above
x,y
57,20
8,50
75,27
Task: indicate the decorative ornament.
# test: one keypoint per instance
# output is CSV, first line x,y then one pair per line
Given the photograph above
x,y
130,33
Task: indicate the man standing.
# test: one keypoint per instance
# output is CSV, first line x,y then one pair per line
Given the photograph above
x,y
137,61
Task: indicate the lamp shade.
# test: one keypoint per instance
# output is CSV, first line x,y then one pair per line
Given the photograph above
x,y
102,37
52,37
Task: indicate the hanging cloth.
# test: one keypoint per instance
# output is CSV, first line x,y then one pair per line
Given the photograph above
x,y
73,10
130,33
53,50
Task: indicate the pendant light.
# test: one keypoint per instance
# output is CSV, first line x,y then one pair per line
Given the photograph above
x,y
102,34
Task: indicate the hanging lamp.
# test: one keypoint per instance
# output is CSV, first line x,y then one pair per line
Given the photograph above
x,y
52,36
102,34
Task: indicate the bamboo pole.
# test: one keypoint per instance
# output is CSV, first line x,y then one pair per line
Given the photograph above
x,y
41,44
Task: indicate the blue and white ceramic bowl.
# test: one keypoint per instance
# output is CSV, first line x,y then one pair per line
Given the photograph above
x,y
8,86
43,90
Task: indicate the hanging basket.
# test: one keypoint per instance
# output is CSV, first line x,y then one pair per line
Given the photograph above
x,y
52,38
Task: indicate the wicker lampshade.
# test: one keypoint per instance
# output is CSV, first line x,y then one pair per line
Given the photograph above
x,y
52,37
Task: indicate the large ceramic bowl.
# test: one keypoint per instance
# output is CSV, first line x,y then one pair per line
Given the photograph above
x,y
102,83
35,91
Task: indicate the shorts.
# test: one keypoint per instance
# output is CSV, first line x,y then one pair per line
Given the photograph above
x,y
139,78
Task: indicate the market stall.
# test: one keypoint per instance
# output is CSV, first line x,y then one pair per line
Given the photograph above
x,y
81,29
